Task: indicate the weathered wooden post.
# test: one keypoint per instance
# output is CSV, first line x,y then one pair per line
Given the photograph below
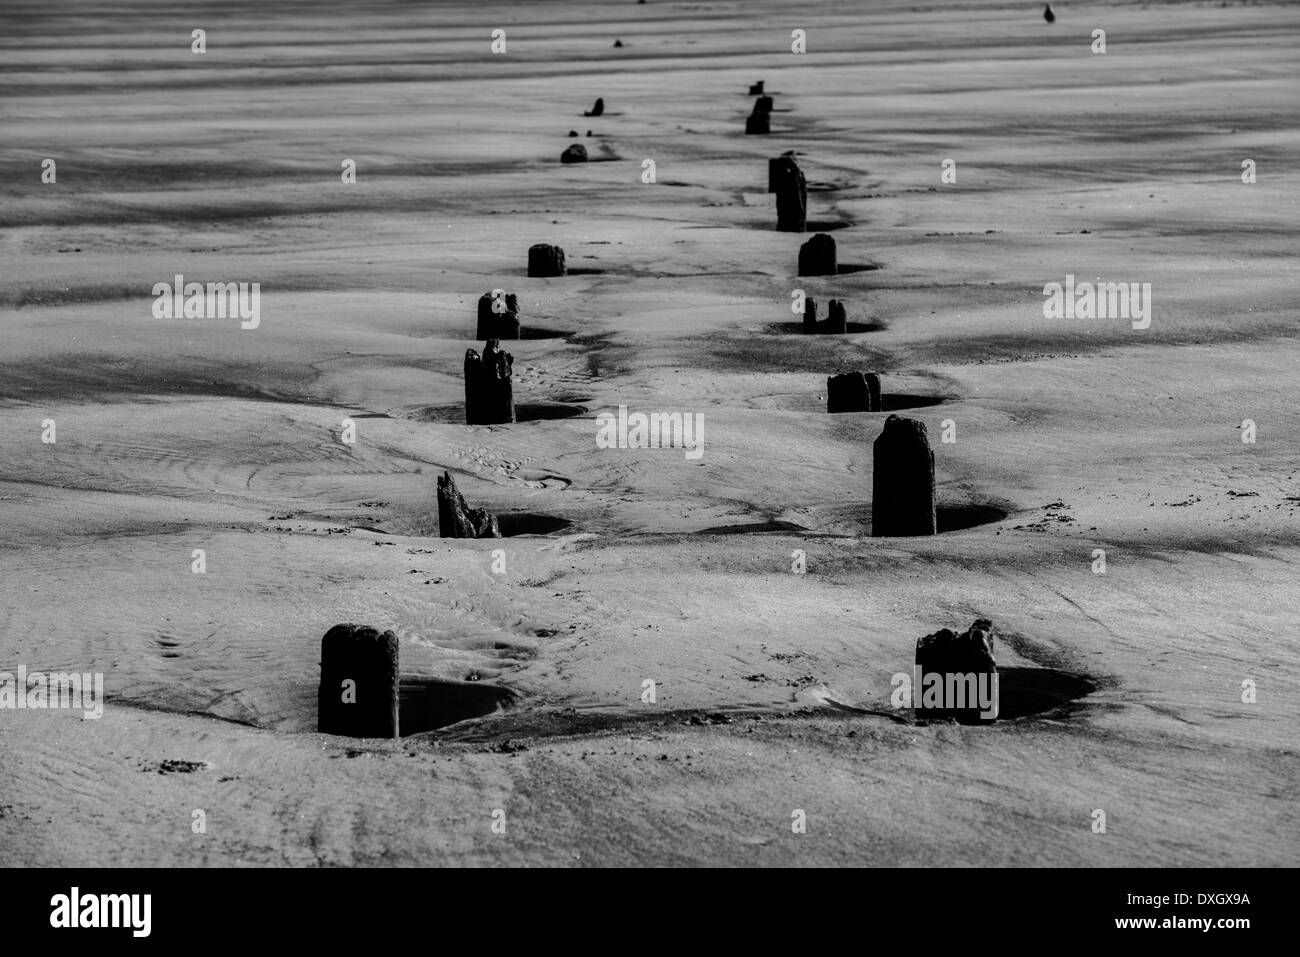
x,y
455,517
853,392
956,676
791,195
489,391
498,316
817,256
359,684
545,260
837,321
773,165
847,392
902,480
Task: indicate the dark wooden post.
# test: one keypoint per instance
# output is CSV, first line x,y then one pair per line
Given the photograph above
x,y
489,391
359,683
848,392
837,322
961,664
455,517
494,324
817,256
902,480
791,195
809,315
545,260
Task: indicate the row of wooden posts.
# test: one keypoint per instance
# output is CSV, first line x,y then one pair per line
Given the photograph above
x,y
359,686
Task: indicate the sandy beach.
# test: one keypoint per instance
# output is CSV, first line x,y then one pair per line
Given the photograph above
x,y
1124,691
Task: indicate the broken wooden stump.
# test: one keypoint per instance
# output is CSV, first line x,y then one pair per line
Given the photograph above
x,y
597,110
545,260
902,480
489,392
763,104
576,153
358,694
758,122
791,194
956,677
498,316
817,256
456,519
756,89
835,324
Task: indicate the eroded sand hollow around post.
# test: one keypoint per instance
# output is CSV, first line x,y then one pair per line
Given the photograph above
x,y
772,689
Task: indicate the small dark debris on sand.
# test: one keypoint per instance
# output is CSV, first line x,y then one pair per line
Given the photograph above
x,y
577,153
175,766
